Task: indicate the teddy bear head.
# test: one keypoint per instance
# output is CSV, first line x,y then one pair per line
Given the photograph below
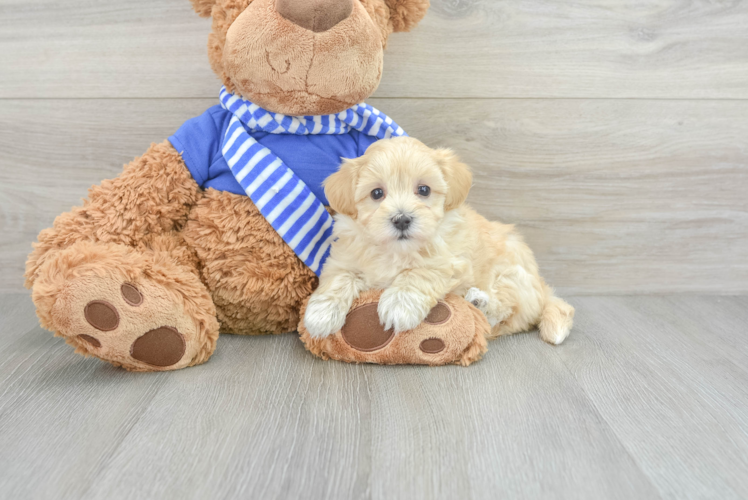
x,y
304,57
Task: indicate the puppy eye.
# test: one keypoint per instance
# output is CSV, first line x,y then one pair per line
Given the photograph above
x,y
377,194
424,191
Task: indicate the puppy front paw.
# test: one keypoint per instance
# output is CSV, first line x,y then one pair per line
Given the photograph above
x,y
403,310
324,316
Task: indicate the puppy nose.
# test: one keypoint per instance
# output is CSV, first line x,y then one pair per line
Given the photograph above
x,y
402,222
315,15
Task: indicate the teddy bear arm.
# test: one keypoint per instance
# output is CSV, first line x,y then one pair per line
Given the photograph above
x,y
153,195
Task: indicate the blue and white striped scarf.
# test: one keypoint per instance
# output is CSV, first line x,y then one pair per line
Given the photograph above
x,y
282,198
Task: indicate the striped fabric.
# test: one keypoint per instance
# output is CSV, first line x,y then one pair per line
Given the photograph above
x,y
282,198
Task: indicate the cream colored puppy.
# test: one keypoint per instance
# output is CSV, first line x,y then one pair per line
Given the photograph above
x,y
402,226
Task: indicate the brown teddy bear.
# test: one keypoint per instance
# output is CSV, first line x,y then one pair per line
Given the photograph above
x,y
157,260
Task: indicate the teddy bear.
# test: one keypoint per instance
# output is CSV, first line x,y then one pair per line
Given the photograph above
x,y
224,226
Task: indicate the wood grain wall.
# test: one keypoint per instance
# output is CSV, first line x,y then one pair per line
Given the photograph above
x,y
615,134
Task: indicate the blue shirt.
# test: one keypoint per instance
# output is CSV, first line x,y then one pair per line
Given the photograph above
x,y
312,158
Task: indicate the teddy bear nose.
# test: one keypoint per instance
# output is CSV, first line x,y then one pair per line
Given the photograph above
x,y
315,15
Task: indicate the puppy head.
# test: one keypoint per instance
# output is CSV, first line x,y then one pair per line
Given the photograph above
x,y
400,190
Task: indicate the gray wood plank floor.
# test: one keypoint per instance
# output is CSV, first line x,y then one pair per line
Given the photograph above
x,y
647,399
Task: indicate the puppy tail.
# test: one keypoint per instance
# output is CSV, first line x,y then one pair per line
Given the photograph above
x,y
556,319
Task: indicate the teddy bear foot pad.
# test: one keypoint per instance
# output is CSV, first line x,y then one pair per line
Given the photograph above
x,y
454,332
124,324
126,317
163,346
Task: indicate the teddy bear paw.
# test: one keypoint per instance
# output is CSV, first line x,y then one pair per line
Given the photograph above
x,y
454,331
137,325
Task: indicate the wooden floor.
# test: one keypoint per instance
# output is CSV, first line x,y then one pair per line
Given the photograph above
x,y
647,399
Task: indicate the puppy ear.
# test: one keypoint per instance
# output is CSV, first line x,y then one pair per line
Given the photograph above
x,y
405,14
340,188
457,175
203,7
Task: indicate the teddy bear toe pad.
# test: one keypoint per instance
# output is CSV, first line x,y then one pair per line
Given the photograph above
x,y
90,340
162,347
101,315
135,325
439,314
432,346
131,294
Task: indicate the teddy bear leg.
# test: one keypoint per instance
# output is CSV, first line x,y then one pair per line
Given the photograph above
x,y
138,308
257,282
115,277
454,332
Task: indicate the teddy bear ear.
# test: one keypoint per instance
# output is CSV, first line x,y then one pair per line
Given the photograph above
x,y
405,14
203,7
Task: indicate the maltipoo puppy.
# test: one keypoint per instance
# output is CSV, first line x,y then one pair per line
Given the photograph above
x,y
402,226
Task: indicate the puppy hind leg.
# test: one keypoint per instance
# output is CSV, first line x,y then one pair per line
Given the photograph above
x,y
516,302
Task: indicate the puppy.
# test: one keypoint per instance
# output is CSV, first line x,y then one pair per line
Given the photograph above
x,y
402,226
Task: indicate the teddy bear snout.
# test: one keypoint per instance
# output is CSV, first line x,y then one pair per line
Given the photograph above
x,y
315,15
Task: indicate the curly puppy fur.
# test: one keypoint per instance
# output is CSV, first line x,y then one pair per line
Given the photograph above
x,y
443,247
